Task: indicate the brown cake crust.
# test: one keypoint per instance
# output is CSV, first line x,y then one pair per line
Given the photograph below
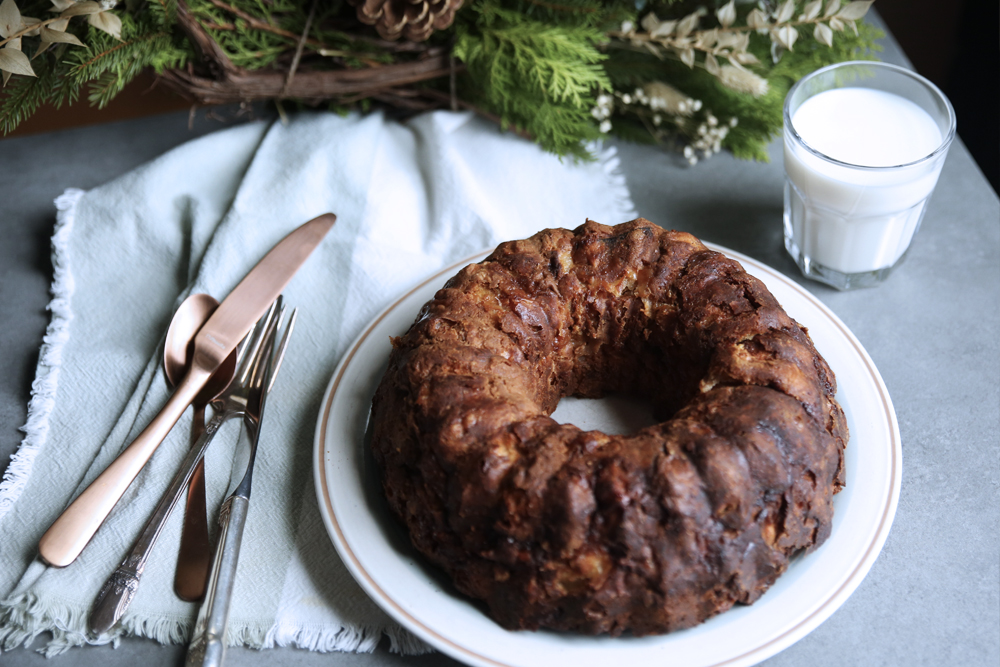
x,y
561,528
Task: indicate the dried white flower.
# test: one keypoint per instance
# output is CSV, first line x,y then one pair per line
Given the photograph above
x,y
649,22
727,13
811,10
10,19
27,21
757,20
823,34
664,97
605,126
743,80
711,64
854,10
687,57
689,23
706,40
785,36
686,41
731,40
605,107
707,138
777,50
664,29
785,12
708,48
108,22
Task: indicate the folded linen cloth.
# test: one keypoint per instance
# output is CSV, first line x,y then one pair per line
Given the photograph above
x,y
411,198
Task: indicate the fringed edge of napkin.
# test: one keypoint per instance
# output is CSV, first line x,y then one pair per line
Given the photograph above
x,y
43,389
26,618
355,640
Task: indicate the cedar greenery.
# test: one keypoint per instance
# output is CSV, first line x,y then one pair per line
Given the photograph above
x,y
539,70
697,75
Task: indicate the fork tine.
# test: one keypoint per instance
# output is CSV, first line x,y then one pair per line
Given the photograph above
x,y
269,361
253,342
245,344
280,354
245,347
263,355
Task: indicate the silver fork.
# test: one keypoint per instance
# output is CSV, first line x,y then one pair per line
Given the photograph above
x,y
208,642
119,590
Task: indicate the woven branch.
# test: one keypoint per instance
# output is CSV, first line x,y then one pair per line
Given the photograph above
x,y
312,86
222,82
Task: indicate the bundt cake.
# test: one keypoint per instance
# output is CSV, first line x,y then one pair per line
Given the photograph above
x,y
555,527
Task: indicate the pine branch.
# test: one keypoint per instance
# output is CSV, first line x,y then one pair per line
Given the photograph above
x,y
312,86
563,8
23,96
164,13
537,77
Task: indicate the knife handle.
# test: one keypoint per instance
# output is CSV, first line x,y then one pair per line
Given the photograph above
x,y
208,644
73,530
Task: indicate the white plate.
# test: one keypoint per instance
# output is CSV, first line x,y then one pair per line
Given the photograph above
x,y
378,553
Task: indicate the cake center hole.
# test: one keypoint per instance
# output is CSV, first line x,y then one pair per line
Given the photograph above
x,y
614,415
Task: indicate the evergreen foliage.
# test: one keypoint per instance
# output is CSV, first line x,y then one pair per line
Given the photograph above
x,y
246,47
109,64
541,76
564,72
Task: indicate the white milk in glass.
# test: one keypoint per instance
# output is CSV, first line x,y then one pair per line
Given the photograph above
x,y
843,214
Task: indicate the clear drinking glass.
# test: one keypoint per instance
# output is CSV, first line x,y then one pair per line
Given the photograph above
x,y
847,223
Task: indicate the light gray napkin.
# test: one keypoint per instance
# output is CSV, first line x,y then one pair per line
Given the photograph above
x,y
410,199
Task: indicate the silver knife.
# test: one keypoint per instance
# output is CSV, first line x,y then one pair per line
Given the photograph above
x,y
73,530
208,642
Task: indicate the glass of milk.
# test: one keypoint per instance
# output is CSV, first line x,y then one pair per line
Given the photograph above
x,y
864,145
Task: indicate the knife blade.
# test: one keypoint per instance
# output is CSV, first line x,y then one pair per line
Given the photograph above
x,y
72,531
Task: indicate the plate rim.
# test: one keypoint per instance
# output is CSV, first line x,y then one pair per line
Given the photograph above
x,y
831,602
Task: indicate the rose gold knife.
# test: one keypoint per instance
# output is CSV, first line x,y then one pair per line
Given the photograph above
x,y
70,533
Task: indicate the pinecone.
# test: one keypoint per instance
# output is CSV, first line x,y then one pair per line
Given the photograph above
x,y
413,19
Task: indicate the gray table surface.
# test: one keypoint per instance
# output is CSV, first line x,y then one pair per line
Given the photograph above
x,y
933,595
